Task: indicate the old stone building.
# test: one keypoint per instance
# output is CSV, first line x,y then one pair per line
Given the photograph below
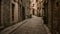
x,y
26,4
36,7
52,15
5,13
33,7
39,7
8,12
13,11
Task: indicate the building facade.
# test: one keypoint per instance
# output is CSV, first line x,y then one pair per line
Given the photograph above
x,y
5,13
39,7
33,7
12,12
52,15
9,12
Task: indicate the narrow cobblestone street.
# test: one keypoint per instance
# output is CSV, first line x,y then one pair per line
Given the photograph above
x,y
33,26
29,16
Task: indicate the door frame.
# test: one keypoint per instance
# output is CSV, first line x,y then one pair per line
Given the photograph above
x,y
1,16
23,13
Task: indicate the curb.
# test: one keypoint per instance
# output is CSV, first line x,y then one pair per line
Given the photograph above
x,y
48,31
12,28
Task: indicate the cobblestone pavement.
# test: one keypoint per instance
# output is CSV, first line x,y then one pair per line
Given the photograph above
x,y
33,26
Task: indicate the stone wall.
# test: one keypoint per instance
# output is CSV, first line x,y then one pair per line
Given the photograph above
x,y
19,10
6,12
53,16
49,14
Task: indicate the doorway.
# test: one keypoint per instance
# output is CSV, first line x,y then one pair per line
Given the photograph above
x,y
33,11
13,12
23,13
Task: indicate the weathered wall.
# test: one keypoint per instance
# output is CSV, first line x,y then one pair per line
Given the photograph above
x,y
33,6
39,7
53,16
19,10
15,10
6,12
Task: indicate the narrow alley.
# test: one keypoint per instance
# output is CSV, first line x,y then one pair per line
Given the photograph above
x,y
29,16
